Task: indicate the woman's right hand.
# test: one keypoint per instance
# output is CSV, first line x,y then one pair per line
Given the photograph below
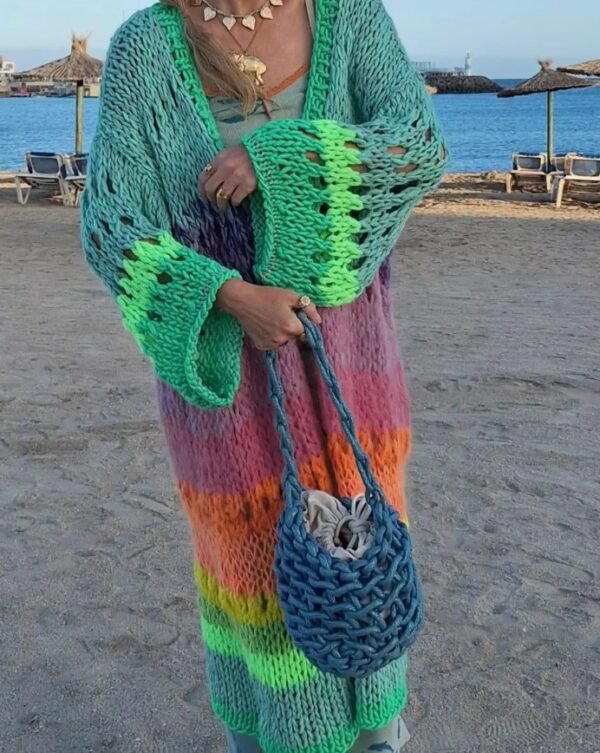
x,y
267,315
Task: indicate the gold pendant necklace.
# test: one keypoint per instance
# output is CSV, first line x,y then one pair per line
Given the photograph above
x,y
230,19
249,64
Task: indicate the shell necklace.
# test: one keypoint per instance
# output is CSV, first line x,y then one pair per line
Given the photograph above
x,y
230,19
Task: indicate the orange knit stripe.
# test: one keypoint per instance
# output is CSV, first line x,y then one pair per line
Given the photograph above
x,y
246,523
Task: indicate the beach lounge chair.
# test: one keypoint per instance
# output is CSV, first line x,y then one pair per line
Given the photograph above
x,y
44,170
75,180
528,168
559,163
557,170
581,171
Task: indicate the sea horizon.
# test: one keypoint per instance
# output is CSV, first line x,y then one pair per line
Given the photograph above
x,y
482,130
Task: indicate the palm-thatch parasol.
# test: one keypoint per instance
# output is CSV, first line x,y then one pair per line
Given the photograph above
x,y
547,81
589,68
78,67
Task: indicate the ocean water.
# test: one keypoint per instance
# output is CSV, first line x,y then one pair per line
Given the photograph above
x,y
482,130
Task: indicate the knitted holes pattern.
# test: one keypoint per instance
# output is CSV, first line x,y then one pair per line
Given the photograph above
x,y
165,290
350,619
331,203
352,185
163,257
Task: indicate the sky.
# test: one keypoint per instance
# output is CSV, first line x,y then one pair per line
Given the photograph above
x,y
505,37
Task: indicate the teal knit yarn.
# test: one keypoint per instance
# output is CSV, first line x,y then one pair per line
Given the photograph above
x,y
335,187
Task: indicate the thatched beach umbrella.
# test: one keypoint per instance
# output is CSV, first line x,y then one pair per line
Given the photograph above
x,y
589,68
547,81
78,67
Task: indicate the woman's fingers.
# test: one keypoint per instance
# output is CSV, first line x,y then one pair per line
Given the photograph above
x,y
241,192
269,316
295,328
213,184
230,192
222,189
302,303
205,176
312,313
222,200
230,172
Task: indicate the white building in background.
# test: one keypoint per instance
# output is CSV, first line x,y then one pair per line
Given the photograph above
x,y
468,65
7,70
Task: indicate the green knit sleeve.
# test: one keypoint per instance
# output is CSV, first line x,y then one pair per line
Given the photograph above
x,y
333,198
165,291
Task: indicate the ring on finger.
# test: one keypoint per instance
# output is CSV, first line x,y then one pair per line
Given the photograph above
x,y
304,302
209,169
223,199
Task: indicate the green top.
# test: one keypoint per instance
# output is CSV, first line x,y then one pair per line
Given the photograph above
x,y
321,227
233,125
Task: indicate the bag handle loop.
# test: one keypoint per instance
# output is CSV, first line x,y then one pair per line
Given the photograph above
x,y
277,395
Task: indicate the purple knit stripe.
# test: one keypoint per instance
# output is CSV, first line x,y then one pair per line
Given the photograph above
x,y
225,237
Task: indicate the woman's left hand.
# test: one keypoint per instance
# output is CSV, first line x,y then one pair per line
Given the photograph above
x,y
230,178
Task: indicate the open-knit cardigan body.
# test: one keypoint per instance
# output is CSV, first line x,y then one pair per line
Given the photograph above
x,y
317,226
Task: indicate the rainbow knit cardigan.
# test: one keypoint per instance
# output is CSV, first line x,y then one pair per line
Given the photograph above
x,y
321,227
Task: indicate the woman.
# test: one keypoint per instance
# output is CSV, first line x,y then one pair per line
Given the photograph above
x,y
252,161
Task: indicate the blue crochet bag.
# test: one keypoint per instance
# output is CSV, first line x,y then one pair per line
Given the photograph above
x,y
349,618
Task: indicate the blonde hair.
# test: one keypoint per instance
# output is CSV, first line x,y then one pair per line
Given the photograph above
x,y
214,65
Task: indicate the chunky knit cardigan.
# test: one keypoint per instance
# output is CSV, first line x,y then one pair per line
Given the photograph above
x,y
322,227
317,226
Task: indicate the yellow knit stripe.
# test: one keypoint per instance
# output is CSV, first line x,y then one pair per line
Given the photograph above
x,y
257,611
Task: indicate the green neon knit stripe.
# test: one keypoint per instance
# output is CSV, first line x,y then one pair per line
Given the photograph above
x,y
329,184
168,318
272,638
271,670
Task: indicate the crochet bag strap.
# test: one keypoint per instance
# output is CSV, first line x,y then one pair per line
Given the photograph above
x,y
277,395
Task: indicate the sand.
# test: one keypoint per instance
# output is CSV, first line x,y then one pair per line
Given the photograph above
x,y
498,310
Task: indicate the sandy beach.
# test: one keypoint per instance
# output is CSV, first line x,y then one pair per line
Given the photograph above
x,y
498,310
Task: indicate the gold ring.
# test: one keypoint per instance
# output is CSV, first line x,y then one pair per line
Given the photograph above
x,y
223,195
304,302
209,169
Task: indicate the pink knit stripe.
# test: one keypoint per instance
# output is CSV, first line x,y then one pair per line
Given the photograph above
x,y
218,455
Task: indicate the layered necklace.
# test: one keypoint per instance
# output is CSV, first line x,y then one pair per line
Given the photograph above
x,y
249,64
230,19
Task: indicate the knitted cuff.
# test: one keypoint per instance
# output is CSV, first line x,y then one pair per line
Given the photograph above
x,y
333,200
168,298
305,213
